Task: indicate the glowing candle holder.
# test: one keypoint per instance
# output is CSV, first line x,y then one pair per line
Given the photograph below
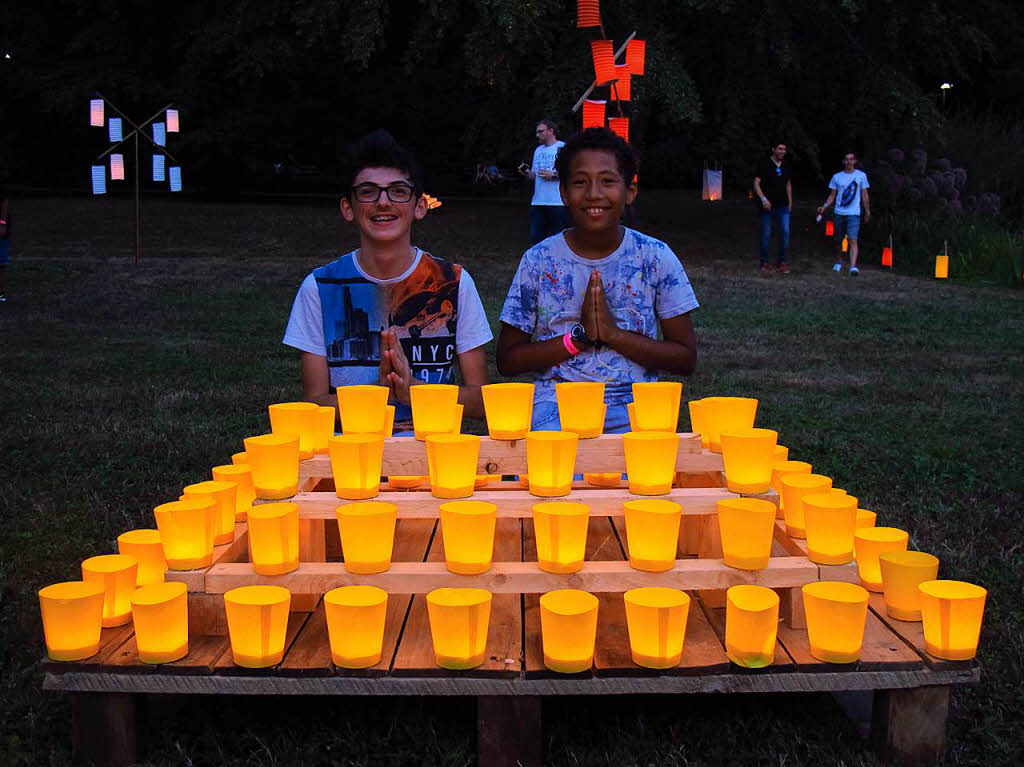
x,y
433,409
550,461
452,461
274,537
781,454
355,625
568,627
728,414
836,614
367,533
467,530
603,479
561,532
509,408
145,546
747,526
389,423
186,532
868,544
794,488
72,619
245,493
581,408
257,622
483,480
117,574
356,465
782,469
951,612
866,518
656,405
748,455
224,496
942,273
652,534
656,620
274,459
242,457
457,420
363,409
459,619
700,412
830,520
297,419
160,616
405,481
631,414
650,461
902,572
325,417
751,625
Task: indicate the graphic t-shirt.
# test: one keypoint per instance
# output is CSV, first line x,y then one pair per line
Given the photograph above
x,y
848,186
545,191
773,181
644,282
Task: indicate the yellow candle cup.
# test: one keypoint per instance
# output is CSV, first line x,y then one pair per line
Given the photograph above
x,y
405,482
467,530
656,405
650,461
581,408
433,409
865,518
298,419
728,414
274,537
568,627
245,492
951,612
242,457
551,461
782,469
72,619
324,422
186,532
603,479
700,412
830,520
748,456
363,409
561,531
367,531
452,461
652,534
459,619
160,617
656,620
747,527
145,546
902,572
274,459
751,625
781,454
836,614
389,423
355,625
224,496
509,409
631,414
117,574
356,461
794,488
868,544
257,622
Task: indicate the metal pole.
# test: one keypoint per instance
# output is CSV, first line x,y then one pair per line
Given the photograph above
x,y
138,232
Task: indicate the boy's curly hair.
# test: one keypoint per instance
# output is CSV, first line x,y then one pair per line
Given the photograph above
x,y
601,139
379,149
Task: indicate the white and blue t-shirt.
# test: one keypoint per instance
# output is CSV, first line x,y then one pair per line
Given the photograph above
x,y
848,187
545,191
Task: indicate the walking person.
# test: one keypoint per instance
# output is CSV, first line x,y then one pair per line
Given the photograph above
x,y
547,213
849,190
774,188
5,241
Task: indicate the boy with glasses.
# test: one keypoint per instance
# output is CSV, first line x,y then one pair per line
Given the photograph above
x,y
388,313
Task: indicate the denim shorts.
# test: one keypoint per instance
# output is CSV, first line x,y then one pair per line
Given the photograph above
x,y
5,249
848,226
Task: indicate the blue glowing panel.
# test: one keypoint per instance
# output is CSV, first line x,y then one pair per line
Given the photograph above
x,y
160,134
158,167
99,179
115,130
175,176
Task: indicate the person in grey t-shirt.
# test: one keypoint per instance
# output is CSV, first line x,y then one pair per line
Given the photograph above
x,y
547,213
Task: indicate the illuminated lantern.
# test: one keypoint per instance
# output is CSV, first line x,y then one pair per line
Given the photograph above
x,y
298,418
356,465
467,531
631,414
836,615
274,459
117,167
656,405
887,256
588,13
457,420
172,121
561,532
174,178
257,622
363,409
603,478
405,481
747,526
784,469
868,544
865,518
355,625
325,416
452,460
652,534
581,407
158,167
389,424
117,574
550,461
727,414
751,625
830,228
748,456
72,618
656,621
620,127
145,546
794,488
99,179
367,532
160,618
568,627
650,461
509,409
245,493
115,130
845,244
593,113
635,55
941,267
186,532
604,61
781,454
433,409
274,537
951,612
160,134
621,87
96,113
902,572
459,620
711,186
830,520
699,413
223,495
237,458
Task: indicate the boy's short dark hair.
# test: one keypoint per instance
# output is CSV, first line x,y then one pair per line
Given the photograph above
x,y
378,149
600,139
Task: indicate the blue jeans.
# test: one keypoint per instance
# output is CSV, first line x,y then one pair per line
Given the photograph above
x,y
847,226
546,220
781,218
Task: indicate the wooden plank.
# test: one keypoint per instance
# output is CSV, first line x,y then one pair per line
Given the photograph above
x,y
509,731
884,650
782,661
791,601
125,660
911,633
910,725
236,551
203,654
206,615
709,546
226,663
310,653
703,653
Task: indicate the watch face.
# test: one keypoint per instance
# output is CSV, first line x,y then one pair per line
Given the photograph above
x,y
579,332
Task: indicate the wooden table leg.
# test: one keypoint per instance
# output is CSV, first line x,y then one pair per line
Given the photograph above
x,y
508,731
910,725
104,728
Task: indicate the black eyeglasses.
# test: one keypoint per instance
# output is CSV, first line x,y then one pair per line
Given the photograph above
x,y
397,192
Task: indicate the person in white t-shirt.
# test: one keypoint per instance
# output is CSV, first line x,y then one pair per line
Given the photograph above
x,y
849,190
547,213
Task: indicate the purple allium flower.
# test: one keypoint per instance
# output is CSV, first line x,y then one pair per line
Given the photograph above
x,y
895,156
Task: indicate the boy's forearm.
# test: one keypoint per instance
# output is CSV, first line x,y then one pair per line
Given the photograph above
x,y
533,355
669,356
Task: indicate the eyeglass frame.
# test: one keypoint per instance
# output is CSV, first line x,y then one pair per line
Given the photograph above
x,y
354,191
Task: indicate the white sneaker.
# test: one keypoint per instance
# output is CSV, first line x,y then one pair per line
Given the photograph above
x,y
838,267
854,271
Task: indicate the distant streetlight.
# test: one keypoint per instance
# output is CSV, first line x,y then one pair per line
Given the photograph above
x,y
945,87
7,55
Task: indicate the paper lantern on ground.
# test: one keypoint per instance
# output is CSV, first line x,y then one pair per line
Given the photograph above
x,y
160,618
620,127
635,54
593,114
620,89
117,573
711,188
96,113
257,622
299,419
467,531
836,616
459,619
941,267
367,532
145,546
568,627
751,625
951,613
117,167
830,229
509,409
99,179
356,616
172,121
588,13
604,60
886,256
656,622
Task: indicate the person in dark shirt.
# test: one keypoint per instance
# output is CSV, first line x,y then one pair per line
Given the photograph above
x,y
5,241
774,189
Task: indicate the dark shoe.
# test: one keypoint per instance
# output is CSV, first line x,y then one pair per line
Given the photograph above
x,y
783,268
854,271
766,271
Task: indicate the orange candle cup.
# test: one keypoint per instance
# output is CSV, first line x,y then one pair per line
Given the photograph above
x,y
700,411
356,461
363,409
902,572
274,537
581,407
561,531
751,625
467,530
274,459
186,532
405,482
656,620
830,520
748,456
551,461
257,622
656,405
325,419
72,619
794,488
868,544
242,457
951,612
117,574
652,534
389,423
568,627
224,496
355,625
728,414
433,409
367,531
509,409
452,460
459,619
650,461
836,614
457,420
631,414
298,419
865,518
782,469
747,527
245,493
145,546
781,454
603,479
160,617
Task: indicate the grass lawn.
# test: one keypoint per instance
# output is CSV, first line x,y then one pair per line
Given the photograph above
x,y
120,384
